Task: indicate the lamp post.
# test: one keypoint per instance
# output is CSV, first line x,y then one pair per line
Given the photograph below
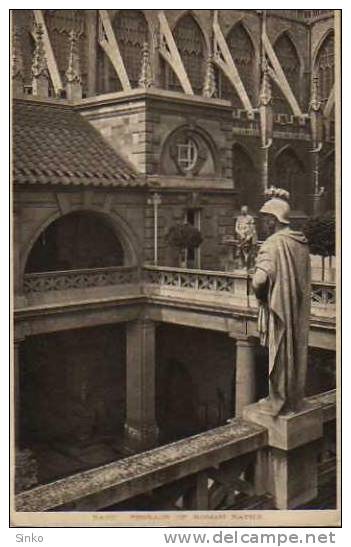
x,y
155,201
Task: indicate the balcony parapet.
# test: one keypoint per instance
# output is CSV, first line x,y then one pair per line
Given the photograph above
x,y
235,285
79,279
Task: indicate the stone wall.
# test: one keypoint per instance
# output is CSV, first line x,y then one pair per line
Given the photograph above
x,y
217,212
139,125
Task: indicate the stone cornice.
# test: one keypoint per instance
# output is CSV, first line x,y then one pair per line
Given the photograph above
x,y
174,97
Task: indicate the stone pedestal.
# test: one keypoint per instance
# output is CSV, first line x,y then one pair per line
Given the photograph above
x,y
245,377
141,430
289,467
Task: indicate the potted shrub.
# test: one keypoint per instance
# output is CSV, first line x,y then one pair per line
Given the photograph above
x,y
182,237
320,232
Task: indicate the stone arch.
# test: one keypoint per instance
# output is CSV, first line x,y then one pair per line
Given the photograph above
x,y
192,46
289,173
242,49
324,65
132,31
194,15
245,177
292,66
203,141
123,232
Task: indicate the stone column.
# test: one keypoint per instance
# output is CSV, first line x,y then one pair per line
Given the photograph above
x,y
245,377
141,430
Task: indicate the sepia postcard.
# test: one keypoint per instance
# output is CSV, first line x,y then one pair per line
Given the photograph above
x,y
175,202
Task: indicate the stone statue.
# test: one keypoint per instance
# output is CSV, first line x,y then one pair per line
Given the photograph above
x,y
245,231
282,286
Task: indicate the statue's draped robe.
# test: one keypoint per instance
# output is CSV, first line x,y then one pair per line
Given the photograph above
x,y
284,319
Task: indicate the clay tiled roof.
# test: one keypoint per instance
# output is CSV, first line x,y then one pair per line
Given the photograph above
x,y
53,144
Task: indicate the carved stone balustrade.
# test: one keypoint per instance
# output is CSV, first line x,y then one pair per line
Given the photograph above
x,y
323,295
223,285
79,279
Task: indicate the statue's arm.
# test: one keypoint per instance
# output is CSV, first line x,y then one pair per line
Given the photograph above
x,y
260,285
264,272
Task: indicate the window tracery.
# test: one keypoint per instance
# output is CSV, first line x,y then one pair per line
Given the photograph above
x,y
290,63
131,30
289,175
191,46
242,51
245,177
325,67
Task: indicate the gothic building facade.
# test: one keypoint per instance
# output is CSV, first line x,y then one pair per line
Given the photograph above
x,y
126,122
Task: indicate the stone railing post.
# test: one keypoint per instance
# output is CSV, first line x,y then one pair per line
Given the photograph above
x,y
288,467
245,374
141,431
197,498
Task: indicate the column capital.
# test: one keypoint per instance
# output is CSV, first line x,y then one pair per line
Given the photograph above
x,y
243,339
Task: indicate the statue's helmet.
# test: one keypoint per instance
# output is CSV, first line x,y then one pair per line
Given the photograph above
x,y
278,208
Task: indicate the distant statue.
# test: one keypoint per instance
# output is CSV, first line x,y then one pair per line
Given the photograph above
x,y
245,230
282,286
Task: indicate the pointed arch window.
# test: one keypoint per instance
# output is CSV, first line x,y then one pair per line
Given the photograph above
x,y
290,63
243,53
245,177
192,48
131,30
325,67
289,174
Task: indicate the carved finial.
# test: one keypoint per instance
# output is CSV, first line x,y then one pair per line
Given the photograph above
x,y
17,62
315,103
266,89
210,88
73,76
145,79
40,80
274,192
